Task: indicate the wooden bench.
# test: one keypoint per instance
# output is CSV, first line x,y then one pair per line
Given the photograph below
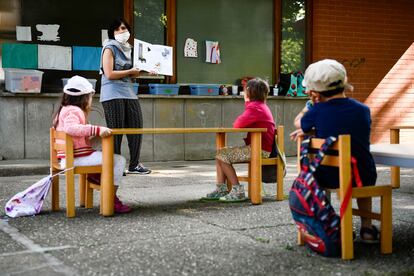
x,y
107,178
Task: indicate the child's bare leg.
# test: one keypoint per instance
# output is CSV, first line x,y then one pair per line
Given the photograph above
x,y
226,171
220,176
368,233
365,204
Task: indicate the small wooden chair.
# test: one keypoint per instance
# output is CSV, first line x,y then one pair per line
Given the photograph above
x,y
277,161
343,161
85,187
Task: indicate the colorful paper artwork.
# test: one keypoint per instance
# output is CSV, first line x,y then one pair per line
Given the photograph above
x,y
23,33
86,58
190,48
55,57
213,52
19,56
49,32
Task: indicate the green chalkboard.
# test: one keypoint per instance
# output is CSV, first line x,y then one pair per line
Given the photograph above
x,y
244,29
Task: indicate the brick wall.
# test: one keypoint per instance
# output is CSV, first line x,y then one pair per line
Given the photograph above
x,y
374,40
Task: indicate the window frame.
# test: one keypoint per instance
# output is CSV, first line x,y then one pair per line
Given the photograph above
x,y
171,33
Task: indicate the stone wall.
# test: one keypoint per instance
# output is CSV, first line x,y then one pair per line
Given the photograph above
x,y
25,122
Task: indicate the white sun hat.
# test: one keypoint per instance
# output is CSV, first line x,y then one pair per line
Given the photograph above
x,y
77,86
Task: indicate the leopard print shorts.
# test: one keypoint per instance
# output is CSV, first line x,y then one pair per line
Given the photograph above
x,y
238,154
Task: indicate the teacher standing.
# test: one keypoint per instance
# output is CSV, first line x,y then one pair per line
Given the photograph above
x,y
121,106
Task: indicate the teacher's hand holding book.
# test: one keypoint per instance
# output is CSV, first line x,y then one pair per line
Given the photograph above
x,y
134,72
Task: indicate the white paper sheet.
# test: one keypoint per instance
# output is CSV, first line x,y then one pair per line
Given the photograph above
x,y
23,33
49,32
55,57
149,57
104,36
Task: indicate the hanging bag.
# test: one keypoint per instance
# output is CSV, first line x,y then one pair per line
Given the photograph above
x,y
30,201
295,88
292,92
300,89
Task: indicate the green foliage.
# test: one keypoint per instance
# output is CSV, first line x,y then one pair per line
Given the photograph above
x,y
163,20
292,55
293,36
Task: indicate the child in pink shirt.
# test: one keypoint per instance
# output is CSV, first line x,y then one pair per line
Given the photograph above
x,y
256,115
72,119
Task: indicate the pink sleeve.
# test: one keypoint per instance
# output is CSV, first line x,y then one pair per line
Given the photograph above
x,y
74,127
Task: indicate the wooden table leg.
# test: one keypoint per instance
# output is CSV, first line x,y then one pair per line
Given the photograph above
x,y
107,188
220,140
395,171
256,168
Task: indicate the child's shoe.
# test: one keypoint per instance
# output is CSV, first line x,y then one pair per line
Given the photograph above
x,y
121,208
236,195
220,191
94,178
369,234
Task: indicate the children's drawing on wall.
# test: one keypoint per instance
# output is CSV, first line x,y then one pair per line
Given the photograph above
x,y
213,52
203,118
23,33
190,48
49,32
153,58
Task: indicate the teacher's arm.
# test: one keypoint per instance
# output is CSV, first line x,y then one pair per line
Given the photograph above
x,y
108,68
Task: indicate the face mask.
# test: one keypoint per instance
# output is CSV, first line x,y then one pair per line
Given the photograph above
x,y
122,38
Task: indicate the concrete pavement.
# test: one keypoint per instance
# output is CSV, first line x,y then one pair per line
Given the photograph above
x,y
170,232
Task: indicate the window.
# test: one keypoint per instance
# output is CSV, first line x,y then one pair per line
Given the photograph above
x,y
150,21
293,36
291,29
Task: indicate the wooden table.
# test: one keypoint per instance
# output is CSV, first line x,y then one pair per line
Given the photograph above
x,y
107,181
394,154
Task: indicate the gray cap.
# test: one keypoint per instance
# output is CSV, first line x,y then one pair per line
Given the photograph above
x,y
325,75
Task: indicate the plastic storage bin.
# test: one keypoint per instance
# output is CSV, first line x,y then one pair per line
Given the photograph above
x,y
23,81
92,81
163,89
205,89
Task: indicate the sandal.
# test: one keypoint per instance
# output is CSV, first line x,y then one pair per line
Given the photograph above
x,y
369,235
